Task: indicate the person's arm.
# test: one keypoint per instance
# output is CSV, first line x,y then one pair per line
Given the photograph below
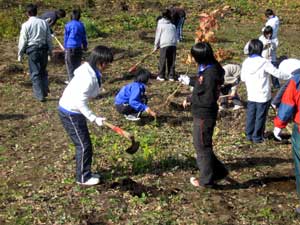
x,y
23,41
287,106
84,38
157,37
49,41
271,69
135,99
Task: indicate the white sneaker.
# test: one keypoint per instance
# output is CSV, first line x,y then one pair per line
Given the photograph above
x,y
90,182
171,79
160,78
96,175
237,107
132,118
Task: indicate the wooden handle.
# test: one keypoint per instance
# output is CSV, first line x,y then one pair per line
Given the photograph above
x,y
60,45
118,130
139,62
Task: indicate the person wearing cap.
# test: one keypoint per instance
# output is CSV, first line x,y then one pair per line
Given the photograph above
x,y
290,109
131,100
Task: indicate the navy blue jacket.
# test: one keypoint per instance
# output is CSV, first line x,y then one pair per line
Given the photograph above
x,y
50,17
132,94
75,35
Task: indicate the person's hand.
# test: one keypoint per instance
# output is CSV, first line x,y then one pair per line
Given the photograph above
x,y
99,121
276,133
184,79
152,113
185,103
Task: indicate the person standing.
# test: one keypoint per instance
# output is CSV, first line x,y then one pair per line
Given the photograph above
x,y
290,109
255,73
273,21
204,99
52,16
75,42
35,41
74,111
178,18
165,41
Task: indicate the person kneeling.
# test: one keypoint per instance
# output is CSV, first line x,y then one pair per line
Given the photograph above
x,y
131,100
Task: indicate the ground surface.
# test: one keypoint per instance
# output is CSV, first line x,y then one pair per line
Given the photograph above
x,y
151,187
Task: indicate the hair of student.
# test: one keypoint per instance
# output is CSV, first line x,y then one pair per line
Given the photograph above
x,y
268,30
31,9
167,14
75,14
255,47
269,12
100,55
203,53
61,13
142,76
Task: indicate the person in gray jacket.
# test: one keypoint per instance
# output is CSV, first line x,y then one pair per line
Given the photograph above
x,y
165,40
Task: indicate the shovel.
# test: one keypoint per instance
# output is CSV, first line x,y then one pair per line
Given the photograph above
x,y
134,144
133,68
56,39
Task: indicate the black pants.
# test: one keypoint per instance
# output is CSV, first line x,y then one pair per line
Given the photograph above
x,y
211,169
77,129
73,60
126,109
167,58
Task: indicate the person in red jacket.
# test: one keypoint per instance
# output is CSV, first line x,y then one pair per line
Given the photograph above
x,y
290,109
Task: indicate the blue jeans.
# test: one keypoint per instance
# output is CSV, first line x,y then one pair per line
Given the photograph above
x,y
37,60
296,154
76,127
256,120
179,28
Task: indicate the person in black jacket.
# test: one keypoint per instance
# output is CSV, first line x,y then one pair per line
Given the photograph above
x,y
204,99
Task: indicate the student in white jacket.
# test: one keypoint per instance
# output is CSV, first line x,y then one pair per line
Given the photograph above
x,y
165,41
73,110
256,73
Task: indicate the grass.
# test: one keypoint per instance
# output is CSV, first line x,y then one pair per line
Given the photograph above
x,y
152,186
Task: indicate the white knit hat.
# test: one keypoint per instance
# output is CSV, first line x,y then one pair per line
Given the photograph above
x,y
289,66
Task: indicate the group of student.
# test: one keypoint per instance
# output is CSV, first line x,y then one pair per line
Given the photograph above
x,y
85,83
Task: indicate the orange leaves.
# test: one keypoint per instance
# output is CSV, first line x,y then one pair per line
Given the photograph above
x,y
222,54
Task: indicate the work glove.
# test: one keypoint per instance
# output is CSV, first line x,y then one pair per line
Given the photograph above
x,y
19,58
184,79
99,121
276,133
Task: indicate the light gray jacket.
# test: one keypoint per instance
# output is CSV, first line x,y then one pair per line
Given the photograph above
x,y
165,34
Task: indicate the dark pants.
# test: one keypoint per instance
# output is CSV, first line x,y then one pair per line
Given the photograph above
x,y
277,99
77,129
275,80
167,59
73,60
37,60
296,154
256,120
126,109
211,169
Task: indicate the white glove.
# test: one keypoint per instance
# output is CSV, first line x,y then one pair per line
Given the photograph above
x,y
19,58
276,133
184,79
99,121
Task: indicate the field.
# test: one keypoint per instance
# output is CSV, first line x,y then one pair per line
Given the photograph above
x,y
37,164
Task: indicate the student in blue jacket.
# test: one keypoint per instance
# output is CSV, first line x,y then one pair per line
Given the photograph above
x,y
131,100
74,42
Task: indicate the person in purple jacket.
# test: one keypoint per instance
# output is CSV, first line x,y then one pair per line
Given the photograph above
x,y
131,100
74,42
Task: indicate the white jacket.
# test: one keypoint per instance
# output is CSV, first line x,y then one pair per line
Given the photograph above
x,y
270,47
83,86
256,73
274,23
165,34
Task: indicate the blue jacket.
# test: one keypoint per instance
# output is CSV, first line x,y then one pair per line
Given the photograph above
x,y
75,35
132,94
